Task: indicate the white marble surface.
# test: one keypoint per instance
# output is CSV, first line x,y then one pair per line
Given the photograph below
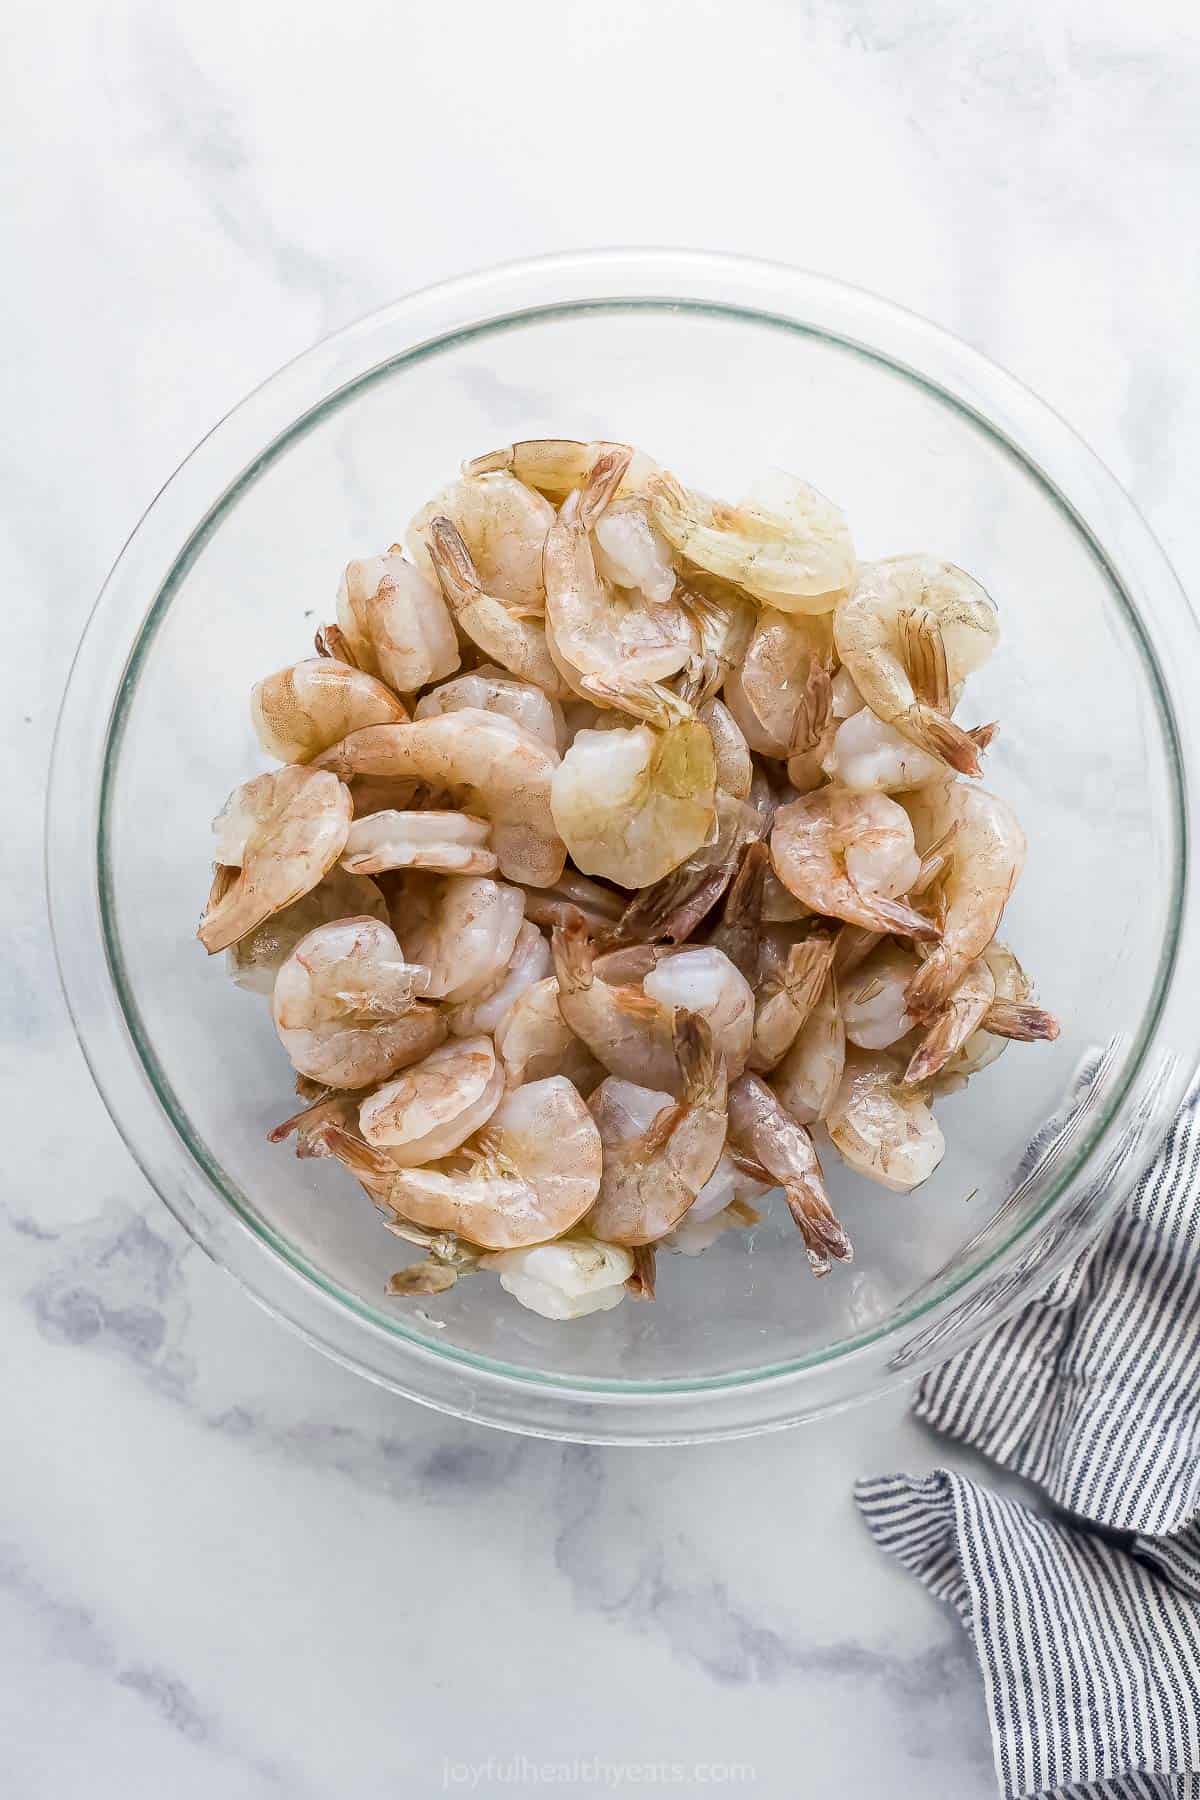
x,y
227,1566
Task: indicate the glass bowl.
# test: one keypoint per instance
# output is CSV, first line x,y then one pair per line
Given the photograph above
x,y
721,368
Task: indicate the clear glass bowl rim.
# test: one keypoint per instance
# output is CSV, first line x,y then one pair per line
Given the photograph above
x,y
168,535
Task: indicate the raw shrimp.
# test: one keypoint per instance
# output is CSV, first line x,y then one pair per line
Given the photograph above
x,y
436,1104
254,960
786,544
847,856
621,649
731,753
677,905
395,623
600,906
450,841
514,639
530,962
493,689
574,1276
764,1133
462,928
781,694
632,805
630,1029
503,524
912,629
953,1025
874,999
534,1041
555,466
631,554
490,766
728,1185
781,1013
868,755
650,1179
880,1128
345,1005
528,1176
325,1109
809,1076
985,856
299,712
277,835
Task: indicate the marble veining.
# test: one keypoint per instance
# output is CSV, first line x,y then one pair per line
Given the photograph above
x,y
226,1564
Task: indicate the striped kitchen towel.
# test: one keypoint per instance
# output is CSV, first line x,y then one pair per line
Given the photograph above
x,y
1085,1616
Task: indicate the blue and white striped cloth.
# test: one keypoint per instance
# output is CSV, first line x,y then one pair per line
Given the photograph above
x,y
1086,1617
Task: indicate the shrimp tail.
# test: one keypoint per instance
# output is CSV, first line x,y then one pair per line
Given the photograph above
x,y
1020,1021
605,477
454,565
332,642
984,736
824,1239
936,1048
640,1285
362,1158
803,977
852,946
932,985
904,920
428,1277
571,948
651,701
923,649
815,709
936,732
699,1063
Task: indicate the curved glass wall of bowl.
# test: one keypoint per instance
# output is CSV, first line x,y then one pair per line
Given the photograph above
x,y
928,447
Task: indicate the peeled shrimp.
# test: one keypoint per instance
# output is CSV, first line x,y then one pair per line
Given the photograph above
x,y
254,960
874,999
985,855
781,694
574,1276
555,466
621,649
300,711
395,623
810,1074
953,1025
762,1131
880,1128
780,1014
345,1005
490,766
534,1041
277,835
503,525
450,841
632,805
847,856
651,1178
630,1030
786,544
512,638
868,755
529,962
495,690
724,618
912,629
462,928
528,1176
436,1104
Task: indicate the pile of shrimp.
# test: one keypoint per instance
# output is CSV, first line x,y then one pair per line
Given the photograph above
x,y
626,854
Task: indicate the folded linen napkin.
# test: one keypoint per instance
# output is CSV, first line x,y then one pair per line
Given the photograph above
x,y
1086,1619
